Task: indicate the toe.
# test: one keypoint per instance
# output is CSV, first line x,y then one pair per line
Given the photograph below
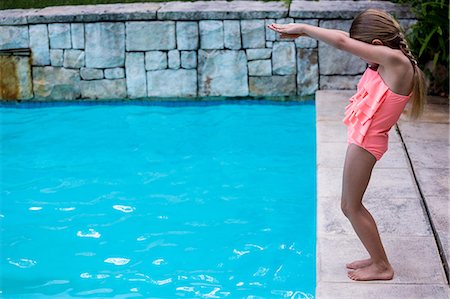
x,y
350,274
354,275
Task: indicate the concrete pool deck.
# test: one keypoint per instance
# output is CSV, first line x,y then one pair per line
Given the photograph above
x,y
408,195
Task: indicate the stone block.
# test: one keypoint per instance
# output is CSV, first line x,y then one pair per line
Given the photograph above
x,y
307,72
15,16
306,42
59,35
73,58
56,57
270,34
269,44
272,86
283,58
15,78
155,60
13,37
135,75
222,73
115,73
56,83
172,83
255,54
187,35
174,59
344,9
211,34
336,62
219,10
407,25
105,44
338,82
40,49
232,34
188,59
253,34
260,68
144,36
94,13
103,89
91,74
77,33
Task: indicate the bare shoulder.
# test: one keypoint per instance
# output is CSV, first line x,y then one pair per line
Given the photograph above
x,y
398,74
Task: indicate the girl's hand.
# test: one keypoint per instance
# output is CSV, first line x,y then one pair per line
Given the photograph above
x,y
291,30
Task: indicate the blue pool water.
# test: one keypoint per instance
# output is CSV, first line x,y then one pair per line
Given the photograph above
x,y
214,200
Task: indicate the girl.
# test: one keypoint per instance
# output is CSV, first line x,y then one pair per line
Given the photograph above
x,y
390,81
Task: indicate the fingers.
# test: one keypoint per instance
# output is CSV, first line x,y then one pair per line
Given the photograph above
x,y
277,27
283,29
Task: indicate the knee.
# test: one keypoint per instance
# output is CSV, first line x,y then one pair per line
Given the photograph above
x,y
350,209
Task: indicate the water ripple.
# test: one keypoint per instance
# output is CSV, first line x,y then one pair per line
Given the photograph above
x,y
91,234
158,262
67,184
125,209
35,208
22,263
118,261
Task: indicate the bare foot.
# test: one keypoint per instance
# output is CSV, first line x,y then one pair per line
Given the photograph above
x,y
359,264
372,272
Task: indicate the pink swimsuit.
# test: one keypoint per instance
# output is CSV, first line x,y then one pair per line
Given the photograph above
x,y
372,112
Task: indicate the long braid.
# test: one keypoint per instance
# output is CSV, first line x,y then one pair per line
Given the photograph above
x,y
419,89
406,50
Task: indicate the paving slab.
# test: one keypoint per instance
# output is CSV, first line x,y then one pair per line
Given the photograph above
x,y
332,104
433,181
422,153
424,132
333,290
331,131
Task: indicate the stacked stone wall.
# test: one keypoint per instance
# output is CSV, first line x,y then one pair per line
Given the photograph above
x,y
182,50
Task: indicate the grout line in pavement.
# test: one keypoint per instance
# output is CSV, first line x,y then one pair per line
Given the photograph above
x,y
426,209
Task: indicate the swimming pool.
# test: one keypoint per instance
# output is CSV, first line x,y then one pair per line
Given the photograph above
x,y
158,200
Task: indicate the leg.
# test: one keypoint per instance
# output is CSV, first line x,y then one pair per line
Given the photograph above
x,y
357,171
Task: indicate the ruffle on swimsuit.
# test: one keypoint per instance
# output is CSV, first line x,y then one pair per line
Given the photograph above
x,y
364,103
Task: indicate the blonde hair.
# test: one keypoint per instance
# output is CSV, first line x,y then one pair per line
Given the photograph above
x,y
377,24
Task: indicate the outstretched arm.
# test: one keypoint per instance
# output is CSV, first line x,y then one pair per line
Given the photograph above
x,y
339,39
